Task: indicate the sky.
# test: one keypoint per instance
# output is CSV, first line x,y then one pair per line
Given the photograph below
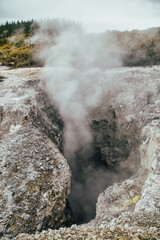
x,y
94,15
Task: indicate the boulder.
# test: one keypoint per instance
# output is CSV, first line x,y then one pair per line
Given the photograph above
x,y
35,177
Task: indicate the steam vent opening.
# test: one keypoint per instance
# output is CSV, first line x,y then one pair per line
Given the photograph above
x,y
110,158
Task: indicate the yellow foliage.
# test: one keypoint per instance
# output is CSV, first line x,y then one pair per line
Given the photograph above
x,y
16,52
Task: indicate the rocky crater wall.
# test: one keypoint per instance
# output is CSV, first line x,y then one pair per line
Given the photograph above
x,y
123,164
35,177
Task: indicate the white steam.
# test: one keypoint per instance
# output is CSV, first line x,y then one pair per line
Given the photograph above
x,y
77,77
75,64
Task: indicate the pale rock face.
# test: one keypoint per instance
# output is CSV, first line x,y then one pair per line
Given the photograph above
x,y
139,195
119,198
136,201
150,157
35,177
150,144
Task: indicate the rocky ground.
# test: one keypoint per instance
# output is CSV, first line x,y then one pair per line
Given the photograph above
x,y
97,233
35,177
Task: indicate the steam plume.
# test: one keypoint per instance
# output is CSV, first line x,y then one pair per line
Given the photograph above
x,y
75,64
74,70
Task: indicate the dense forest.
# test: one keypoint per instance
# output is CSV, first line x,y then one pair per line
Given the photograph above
x,y
141,48
9,29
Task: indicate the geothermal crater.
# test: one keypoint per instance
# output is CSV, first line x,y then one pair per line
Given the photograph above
x,y
36,193
107,160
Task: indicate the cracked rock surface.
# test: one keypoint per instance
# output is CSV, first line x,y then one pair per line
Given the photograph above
x,y
35,177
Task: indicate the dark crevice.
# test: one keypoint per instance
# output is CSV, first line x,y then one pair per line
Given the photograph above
x,y
2,78
98,166
108,159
